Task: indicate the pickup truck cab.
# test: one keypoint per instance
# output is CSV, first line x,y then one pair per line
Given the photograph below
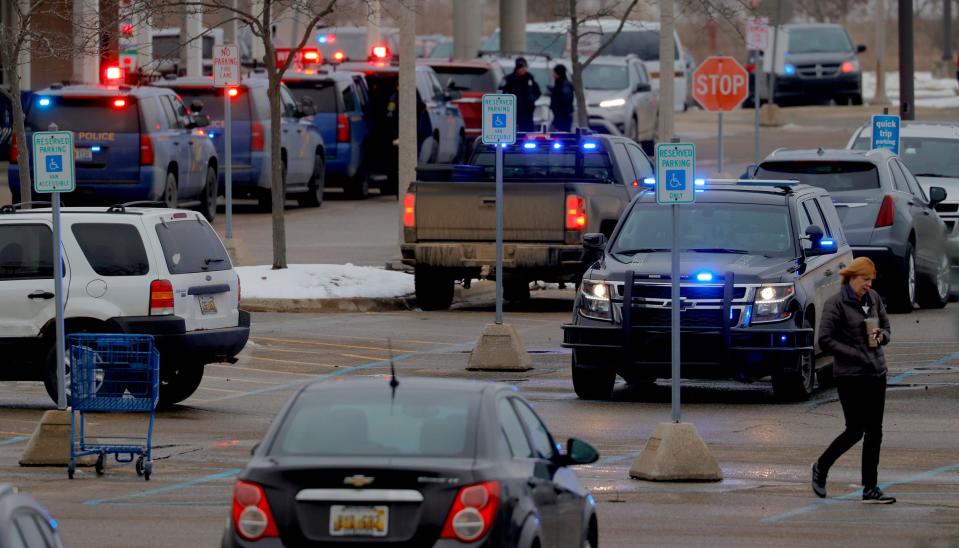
x,y
557,187
759,260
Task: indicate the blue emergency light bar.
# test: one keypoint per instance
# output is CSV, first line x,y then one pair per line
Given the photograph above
x,y
589,145
826,242
44,102
95,148
704,276
529,145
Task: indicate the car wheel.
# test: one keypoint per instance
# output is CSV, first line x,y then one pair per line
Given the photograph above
x,y
592,383
516,291
313,197
903,290
856,99
170,196
935,292
208,199
179,384
434,288
50,373
359,187
460,150
797,385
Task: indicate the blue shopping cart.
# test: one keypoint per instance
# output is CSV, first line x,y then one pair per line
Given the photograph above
x,y
112,373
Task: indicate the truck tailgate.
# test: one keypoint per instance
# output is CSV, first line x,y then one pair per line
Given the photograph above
x,y
534,212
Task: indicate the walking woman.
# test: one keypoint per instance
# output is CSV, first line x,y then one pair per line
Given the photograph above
x,y
854,328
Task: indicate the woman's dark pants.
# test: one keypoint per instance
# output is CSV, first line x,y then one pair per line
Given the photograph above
x,y
863,402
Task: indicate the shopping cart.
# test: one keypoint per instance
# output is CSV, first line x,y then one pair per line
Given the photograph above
x,y
112,373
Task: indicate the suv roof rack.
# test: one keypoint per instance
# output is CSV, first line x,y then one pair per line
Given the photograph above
x,y
122,208
787,185
12,208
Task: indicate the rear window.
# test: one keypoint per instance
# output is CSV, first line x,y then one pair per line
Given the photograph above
x,y
112,249
368,422
548,165
212,100
323,93
467,78
191,246
26,252
643,43
832,176
84,114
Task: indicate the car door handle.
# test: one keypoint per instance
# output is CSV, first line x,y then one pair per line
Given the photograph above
x,y
827,273
299,131
176,143
842,266
46,295
286,131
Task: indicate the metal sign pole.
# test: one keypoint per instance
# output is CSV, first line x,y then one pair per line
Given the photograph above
x,y
58,296
499,234
675,300
721,151
758,76
228,152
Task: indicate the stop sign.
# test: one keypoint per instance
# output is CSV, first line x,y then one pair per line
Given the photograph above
x,y
720,84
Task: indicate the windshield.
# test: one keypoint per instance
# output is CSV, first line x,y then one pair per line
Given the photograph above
x,y
368,422
467,78
925,156
832,176
83,114
212,100
643,43
606,77
323,93
552,44
547,166
819,40
353,45
755,229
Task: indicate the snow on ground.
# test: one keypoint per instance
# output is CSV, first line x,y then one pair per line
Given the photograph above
x,y
322,281
930,92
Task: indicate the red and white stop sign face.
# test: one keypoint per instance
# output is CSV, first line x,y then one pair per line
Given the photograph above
x,y
720,84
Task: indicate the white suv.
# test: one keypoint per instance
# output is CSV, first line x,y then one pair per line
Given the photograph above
x,y
160,272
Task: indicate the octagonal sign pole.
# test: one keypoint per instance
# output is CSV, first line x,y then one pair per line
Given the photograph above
x,y
720,84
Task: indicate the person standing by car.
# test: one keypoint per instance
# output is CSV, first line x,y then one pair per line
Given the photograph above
x,y
522,84
854,328
561,99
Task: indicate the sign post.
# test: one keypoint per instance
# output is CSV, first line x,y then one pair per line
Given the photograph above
x,y
53,173
720,84
757,41
226,73
499,128
885,132
675,185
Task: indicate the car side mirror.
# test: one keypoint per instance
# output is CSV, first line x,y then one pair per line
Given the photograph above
x,y
199,120
306,109
750,172
643,87
196,106
254,448
861,48
580,452
594,241
820,244
937,195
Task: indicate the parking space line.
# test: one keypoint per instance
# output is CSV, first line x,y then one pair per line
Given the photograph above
x,y
916,371
316,353
14,440
334,345
271,371
234,379
168,488
277,360
220,390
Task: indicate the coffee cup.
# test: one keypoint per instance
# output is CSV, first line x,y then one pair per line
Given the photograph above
x,y
872,332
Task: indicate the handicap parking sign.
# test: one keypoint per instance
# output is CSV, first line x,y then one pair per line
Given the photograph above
x,y
55,163
675,169
499,120
675,179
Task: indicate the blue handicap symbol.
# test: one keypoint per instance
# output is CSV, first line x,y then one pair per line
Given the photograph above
x,y
55,163
675,179
499,120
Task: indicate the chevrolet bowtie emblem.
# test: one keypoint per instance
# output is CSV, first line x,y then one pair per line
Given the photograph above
x,y
358,480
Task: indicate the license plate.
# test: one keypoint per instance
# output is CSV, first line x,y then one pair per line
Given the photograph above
x,y
354,521
207,304
83,154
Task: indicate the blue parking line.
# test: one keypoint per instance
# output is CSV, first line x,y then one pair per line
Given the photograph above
x,y
858,493
168,488
14,440
916,371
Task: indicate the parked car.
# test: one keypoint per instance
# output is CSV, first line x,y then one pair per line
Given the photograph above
x,y
424,462
352,42
470,80
160,272
759,259
930,150
621,99
166,45
24,523
342,105
886,216
302,149
131,143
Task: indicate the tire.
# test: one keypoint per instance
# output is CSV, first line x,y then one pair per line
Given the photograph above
x,y
313,197
856,99
179,384
100,465
170,197
903,291
934,292
390,187
797,385
592,383
358,188
50,373
460,150
434,289
209,196
516,291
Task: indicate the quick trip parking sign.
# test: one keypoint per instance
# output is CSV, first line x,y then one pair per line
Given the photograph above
x,y
885,132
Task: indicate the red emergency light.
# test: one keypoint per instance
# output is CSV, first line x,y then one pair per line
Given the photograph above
x,y
114,73
311,55
339,56
119,103
381,52
232,92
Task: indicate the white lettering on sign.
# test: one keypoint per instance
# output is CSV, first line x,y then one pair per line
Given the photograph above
x,y
719,84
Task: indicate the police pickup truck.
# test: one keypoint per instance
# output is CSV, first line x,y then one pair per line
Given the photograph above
x,y
557,187
759,260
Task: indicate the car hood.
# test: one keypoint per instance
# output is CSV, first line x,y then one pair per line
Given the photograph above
x,y
951,184
745,268
819,57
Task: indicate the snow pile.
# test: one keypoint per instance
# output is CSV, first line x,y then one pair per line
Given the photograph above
x,y
322,281
930,92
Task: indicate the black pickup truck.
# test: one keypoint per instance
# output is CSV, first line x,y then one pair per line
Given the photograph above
x,y
557,187
759,260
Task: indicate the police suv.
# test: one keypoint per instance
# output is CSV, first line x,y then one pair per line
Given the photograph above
x,y
131,143
759,259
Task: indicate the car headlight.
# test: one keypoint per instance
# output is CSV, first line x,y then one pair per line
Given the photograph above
x,y
772,301
594,300
612,103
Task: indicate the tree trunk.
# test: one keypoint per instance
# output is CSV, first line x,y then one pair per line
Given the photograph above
x,y
276,172
582,114
9,60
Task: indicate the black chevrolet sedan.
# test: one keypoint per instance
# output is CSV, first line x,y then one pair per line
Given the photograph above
x,y
361,462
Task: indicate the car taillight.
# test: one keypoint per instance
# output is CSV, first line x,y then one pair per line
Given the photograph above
x,y
887,212
258,138
161,298
342,129
409,211
146,150
14,152
252,518
575,212
472,513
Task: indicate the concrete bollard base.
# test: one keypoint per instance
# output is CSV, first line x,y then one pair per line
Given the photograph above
x,y
770,115
499,349
676,452
50,443
237,251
